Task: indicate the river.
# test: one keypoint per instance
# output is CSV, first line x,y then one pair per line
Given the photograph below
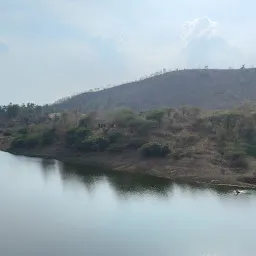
x,y
48,208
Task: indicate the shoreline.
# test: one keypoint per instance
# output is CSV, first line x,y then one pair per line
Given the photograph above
x,y
95,161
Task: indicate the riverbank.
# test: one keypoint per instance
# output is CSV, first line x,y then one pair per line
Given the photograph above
x,y
182,144
192,172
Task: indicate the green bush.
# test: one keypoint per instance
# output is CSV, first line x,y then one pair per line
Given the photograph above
x,y
179,154
23,131
121,117
154,149
115,148
31,141
94,144
240,162
85,121
186,139
175,128
142,126
17,143
7,133
251,150
114,135
48,137
25,142
75,136
155,115
235,154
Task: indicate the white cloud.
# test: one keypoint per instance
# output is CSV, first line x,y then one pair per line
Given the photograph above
x,y
199,28
204,46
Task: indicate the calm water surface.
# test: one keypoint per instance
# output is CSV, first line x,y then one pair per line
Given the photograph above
x,y
51,209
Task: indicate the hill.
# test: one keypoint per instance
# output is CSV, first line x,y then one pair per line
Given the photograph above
x,y
205,88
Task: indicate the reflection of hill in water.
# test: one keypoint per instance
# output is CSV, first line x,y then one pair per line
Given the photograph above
x,y
195,188
48,166
124,183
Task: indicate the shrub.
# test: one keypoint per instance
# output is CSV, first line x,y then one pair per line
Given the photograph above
x,y
202,125
235,154
7,133
142,126
240,162
75,136
25,142
251,150
178,154
122,117
114,135
17,143
155,115
32,141
154,149
186,139
175,128
23,131
94,144
85,121
115,148
194,112
48,137
82,132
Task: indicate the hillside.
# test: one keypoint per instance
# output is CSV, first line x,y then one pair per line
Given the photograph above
x,y
208,89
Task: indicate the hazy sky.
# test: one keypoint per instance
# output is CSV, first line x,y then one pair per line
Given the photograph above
x,y
54,48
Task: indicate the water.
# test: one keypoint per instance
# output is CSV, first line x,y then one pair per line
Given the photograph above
x,y
47,208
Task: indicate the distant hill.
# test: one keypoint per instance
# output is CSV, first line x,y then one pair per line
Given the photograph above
x,y
208,89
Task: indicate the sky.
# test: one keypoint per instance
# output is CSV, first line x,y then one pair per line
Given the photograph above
x,y
50,49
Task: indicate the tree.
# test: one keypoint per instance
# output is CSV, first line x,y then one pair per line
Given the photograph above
x,y
194,112
156,115
64,118
87,120
154,149
141,126
169,111
12,110
122,117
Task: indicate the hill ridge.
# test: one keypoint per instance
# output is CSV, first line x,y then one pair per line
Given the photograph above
x,y
204,88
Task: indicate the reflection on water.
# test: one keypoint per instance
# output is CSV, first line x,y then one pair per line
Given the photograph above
x,y
50,208
125,183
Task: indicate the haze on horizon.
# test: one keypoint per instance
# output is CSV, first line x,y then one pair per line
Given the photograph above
x,y
53,48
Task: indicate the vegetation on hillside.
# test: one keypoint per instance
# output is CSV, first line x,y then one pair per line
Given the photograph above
x,y
224,138
204,88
